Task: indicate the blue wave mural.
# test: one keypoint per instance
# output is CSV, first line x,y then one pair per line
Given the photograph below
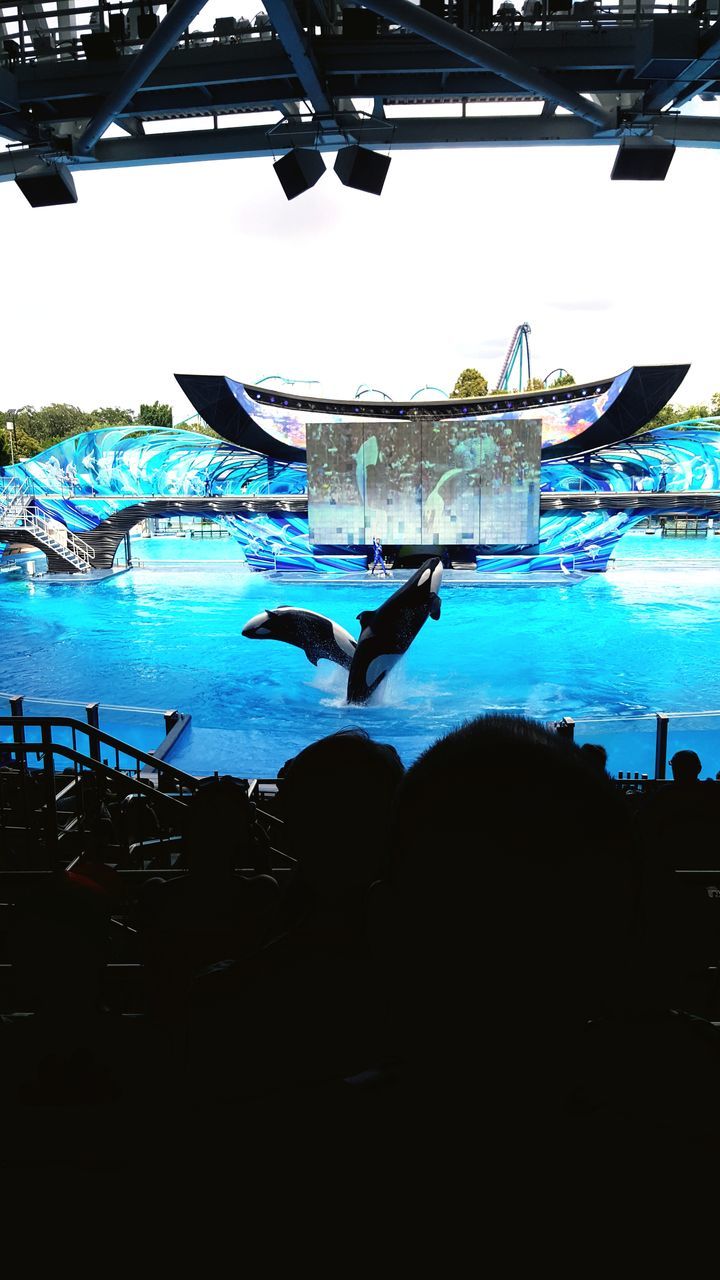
x,y
85,479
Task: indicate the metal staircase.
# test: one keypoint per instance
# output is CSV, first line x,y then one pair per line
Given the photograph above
x,y
19,519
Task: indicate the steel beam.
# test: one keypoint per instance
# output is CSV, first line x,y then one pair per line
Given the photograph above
x,y
678,91
160,43
409,135
482,54
11,126
297,46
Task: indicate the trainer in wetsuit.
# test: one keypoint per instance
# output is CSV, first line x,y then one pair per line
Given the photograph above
x,y
378,557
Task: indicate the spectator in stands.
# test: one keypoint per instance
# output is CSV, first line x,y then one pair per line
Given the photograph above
x,y
507,15
677,829
595,756
309,1006
526,1030
213,912
679,820
686,768
336,797
515,903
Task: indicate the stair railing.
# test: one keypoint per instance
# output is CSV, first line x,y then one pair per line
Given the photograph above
x,y
15,511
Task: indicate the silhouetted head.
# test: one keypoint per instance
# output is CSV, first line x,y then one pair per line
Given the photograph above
x,y
510,878
595,756
216,827
336,797
685,766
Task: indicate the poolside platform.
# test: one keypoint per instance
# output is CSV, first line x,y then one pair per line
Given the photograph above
x,y
451,578
79,579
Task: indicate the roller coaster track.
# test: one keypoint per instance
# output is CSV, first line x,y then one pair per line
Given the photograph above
x,y
514,353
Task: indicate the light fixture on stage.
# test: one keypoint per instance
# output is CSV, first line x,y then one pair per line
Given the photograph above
x,y
299,170
642,160
47,184
362,169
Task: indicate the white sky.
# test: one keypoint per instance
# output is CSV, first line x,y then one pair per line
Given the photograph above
x,y
207,268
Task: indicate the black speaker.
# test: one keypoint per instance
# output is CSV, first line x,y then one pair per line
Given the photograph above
x,y
359,24
47,185
365,170
299,170
642,160
146,24
116,26
98,46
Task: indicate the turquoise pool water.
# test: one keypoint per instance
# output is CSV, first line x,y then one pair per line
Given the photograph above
x,y
642,637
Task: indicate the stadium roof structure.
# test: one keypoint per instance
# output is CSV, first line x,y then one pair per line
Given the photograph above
x,y
322,76
576,419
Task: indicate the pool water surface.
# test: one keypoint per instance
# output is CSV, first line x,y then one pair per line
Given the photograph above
x,y
640,638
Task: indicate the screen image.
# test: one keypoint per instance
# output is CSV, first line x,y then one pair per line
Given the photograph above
x,y
425,482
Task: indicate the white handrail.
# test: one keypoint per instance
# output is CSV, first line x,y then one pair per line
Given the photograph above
x,y
14,500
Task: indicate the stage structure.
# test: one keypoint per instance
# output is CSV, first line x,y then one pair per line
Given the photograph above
x,y
100,484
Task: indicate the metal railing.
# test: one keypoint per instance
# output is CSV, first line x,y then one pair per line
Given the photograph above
x,y
66,714
66,33
16,512
649,736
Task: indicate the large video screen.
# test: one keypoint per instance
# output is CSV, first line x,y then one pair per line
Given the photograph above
x,y
426,482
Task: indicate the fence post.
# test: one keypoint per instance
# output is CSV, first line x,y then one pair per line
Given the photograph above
x,y
93,719
171,719
565,728
16,711
51,832
661,735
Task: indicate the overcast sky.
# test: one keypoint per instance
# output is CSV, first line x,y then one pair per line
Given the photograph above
x,y
207,268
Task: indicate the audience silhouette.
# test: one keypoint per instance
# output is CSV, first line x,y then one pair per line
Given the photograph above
x,y
487,945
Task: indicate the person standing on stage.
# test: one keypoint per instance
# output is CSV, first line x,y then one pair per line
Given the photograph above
x,y
378,556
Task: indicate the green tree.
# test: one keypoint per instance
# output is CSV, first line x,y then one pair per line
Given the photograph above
x,y
671,414
470,383
112,417
535,384
155,415
5,458
25,445
53,422
564,380
200,427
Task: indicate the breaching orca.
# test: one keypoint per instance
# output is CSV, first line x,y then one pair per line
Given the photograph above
x,y
388,632
316,635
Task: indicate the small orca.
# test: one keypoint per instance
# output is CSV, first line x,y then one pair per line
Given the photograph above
x,y
388,632
316,635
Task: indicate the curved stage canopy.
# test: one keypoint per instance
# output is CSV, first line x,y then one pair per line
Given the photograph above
x,y
576,419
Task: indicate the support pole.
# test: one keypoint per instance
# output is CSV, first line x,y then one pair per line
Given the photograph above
x,y
92,713
143,64
16,711
565,728
51,831
661,736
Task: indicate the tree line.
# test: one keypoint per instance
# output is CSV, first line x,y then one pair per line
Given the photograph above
x,y
39,429
471,383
